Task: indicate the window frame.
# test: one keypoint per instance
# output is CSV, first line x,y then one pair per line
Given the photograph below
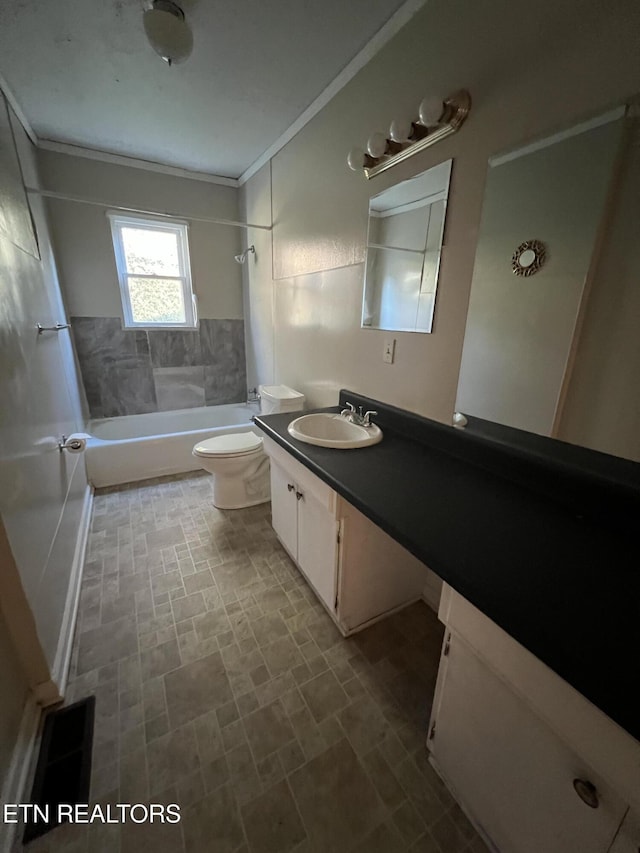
x,y
119,220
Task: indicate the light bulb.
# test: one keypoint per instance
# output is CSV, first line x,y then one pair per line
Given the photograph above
x,y
430,110
356,159
377,145
401,129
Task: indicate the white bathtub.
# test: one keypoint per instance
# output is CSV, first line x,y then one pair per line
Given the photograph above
x,y
138,447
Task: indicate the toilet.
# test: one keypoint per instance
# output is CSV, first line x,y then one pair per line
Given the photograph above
x,y
279,398
239,465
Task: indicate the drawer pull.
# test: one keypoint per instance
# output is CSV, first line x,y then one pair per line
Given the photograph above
x,y
587,792
299,496
290,487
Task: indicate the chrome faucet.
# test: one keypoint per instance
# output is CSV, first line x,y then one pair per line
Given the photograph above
x,y
349,412
357,417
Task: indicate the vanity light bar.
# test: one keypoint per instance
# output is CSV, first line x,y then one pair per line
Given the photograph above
x,y
438,119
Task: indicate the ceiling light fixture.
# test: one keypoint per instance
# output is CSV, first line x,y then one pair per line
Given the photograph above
x,y
167,30
436,120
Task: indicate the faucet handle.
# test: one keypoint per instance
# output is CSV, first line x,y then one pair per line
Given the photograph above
x,y
367,416
349,411
350,406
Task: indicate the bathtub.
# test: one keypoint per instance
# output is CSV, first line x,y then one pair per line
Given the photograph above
x,y
138,447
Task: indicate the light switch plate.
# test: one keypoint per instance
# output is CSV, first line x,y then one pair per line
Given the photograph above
x,y
389,350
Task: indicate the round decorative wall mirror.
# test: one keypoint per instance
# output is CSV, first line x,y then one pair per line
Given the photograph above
x,y
529,257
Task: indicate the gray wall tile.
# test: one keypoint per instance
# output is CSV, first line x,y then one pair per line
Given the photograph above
x,y
127,372
174,348
142,343
222,340
117,380
127,388
224,386
225,375
179,387
102,339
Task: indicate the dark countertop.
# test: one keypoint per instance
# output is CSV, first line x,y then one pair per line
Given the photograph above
x,y
537,534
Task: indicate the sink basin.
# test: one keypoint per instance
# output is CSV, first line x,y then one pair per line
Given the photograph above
x,y
327,429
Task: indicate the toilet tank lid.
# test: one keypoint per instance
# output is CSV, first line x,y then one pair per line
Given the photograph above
x,y
280,392
228,445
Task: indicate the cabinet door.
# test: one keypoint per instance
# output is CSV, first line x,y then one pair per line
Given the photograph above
x,y
317,546
284,509
510,770
628,839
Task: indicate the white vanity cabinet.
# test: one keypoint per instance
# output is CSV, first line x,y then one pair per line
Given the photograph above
x,y
358,572
628,838
510,738
303,516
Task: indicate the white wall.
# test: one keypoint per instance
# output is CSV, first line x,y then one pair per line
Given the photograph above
x,y
257,282
574,59
82,236
602,406
43,491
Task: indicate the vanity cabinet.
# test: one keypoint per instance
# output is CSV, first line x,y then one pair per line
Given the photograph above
x,y
511,769
628,839
358,572
303,516
510,739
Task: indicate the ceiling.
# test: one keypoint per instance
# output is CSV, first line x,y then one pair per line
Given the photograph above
x,y
84,73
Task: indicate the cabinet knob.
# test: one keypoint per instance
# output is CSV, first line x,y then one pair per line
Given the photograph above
x,y
299,496
587,792
290,487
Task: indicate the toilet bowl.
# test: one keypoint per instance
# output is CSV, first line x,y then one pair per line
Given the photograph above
x,y
240,469
239,465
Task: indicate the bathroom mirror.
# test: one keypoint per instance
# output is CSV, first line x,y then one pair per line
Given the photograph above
x,y
406,226
552,341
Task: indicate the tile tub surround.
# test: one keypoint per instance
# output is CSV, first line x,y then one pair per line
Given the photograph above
x,y
223,685
130,372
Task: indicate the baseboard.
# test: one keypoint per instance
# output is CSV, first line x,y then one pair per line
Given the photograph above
x,y
13,790
60,669
20,766
349,632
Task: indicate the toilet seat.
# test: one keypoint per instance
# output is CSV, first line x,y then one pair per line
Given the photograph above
x,y
228,446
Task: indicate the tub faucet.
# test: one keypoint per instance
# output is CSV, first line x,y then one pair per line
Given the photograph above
x,y
253,396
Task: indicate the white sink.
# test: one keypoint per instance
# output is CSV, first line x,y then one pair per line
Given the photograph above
x,y
327,429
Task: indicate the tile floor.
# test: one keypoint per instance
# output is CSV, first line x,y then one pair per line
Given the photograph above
x,y
223,685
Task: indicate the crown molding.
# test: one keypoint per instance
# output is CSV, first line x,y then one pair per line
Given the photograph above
x,y
134,162
582,127
395,23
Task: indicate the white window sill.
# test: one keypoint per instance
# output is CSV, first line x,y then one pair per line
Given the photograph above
x,y
155,327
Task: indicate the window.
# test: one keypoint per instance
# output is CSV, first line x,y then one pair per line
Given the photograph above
x,y
152,256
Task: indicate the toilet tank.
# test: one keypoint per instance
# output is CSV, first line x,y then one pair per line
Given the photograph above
x,y
279,398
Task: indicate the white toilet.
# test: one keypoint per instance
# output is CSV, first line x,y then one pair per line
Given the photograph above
x,y
239,465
